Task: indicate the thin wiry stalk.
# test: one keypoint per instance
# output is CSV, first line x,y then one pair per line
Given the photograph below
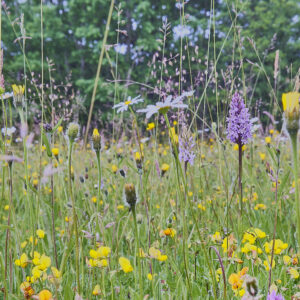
x,y
183,204
195,221
7,240
52,176
99,69
74,217
116,69
223,270
137,253
275,221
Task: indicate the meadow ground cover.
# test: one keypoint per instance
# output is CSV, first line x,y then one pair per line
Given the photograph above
x,y
180,181
168,220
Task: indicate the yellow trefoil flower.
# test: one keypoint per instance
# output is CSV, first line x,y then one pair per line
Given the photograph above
x,y
125,265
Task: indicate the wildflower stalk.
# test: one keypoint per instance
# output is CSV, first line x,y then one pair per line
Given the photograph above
x,y
184,245
8,231
99,173
275,221
4,143
112,3
240,178
295,171
67,251
74,216
207,259
53,220
138,251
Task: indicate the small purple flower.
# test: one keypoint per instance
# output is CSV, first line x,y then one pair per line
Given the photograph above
x,y
1,69
239,124
186,153
273,296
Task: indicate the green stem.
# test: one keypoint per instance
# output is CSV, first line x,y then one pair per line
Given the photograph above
x,y
295,171
7,240
74,217
207,259
137,252
99,174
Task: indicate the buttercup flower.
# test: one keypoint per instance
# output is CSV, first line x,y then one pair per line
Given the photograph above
x,y
150,126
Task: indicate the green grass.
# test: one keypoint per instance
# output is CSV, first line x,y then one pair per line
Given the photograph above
x,y
211,182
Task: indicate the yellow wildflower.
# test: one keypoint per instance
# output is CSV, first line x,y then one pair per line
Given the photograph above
x,y
55,151
268,140
114,169
150,126
267,263
216,237
45,295
235,281
103,251
125,265
294,273
290,102
260,206
40,233
23,261
96,290
169,232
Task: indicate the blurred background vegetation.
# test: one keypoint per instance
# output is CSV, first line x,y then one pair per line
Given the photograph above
x,y
246,34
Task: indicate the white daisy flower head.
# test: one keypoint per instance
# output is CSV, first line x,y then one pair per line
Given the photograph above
x,y
8,131
6,96
163,107
123,106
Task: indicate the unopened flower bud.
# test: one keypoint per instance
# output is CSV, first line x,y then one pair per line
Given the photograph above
x,y
290,102
18,94
47,127
96,138
73,131
130,195
138,160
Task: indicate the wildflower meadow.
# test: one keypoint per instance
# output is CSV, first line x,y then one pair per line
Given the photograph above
x,y
149,150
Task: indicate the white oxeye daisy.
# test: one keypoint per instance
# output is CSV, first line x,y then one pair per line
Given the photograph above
x,y
8,131
123,106
163,107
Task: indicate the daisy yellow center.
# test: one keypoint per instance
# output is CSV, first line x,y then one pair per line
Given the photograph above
x,y
127,102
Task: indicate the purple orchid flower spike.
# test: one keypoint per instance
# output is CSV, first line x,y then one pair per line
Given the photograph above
x,y
274,296
239,124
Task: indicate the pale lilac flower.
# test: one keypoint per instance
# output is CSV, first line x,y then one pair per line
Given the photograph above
x,y
239,124
166,105
273,296
10,158
123,106
186,152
